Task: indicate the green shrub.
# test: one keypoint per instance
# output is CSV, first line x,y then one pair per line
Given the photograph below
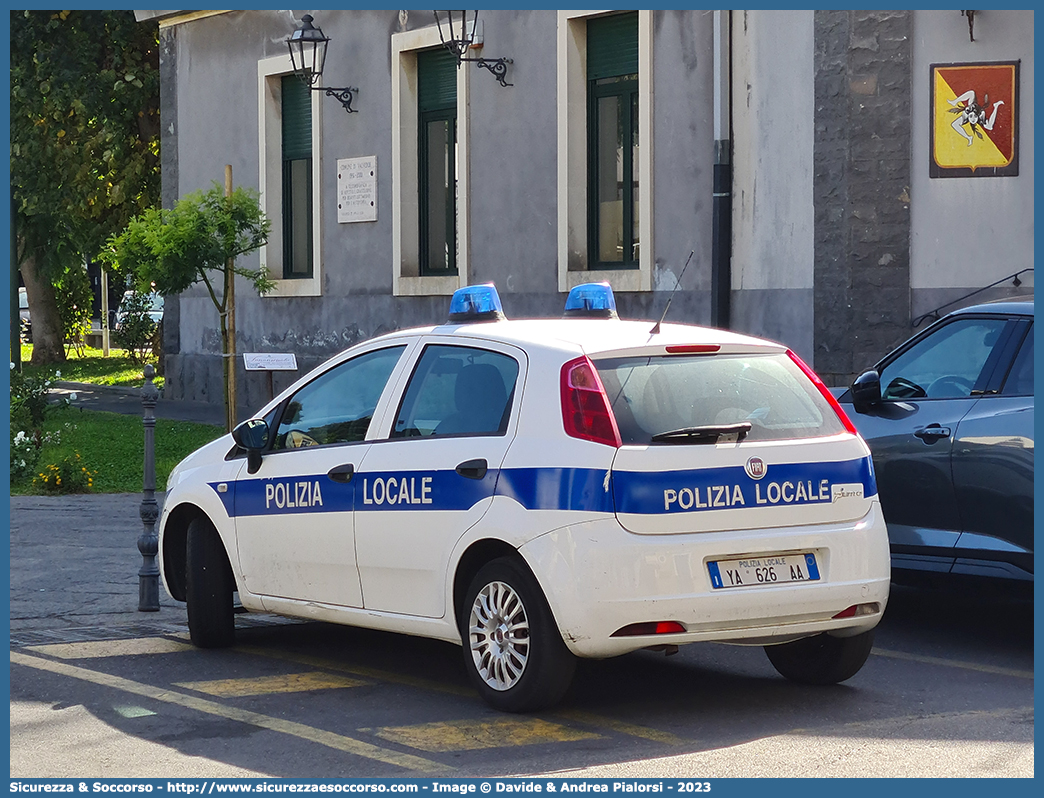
x,y
29,408
136,328
75,306
25,453
67,476
29,398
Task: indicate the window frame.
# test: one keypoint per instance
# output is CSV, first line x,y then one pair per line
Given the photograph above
x,y
287,196
423,196
278,413
574,255
407,278
985,381
625,92
512,394
1021,338
270,72
442,113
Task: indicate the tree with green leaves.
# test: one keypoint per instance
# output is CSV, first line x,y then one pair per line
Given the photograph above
x,y
196,241
85,136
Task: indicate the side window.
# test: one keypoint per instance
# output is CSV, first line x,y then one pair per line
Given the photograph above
x,y
337,406
945,365
457,390
1020,378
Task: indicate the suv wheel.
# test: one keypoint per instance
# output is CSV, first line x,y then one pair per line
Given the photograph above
x,y
821,659
208,588
513,651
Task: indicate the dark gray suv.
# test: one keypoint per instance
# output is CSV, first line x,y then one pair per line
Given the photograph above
x,y
949,419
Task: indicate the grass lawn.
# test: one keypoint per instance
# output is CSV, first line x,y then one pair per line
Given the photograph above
x,y
112,446
93,367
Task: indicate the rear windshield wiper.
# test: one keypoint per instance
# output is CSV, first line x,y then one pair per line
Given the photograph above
x,y
709,433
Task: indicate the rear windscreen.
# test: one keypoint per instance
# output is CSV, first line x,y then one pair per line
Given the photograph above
x,y
664,393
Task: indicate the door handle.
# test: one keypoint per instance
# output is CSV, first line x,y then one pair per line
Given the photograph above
x,y
342,473
473,469
932,433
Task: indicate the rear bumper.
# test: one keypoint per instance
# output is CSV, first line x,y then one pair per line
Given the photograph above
x,y
598,578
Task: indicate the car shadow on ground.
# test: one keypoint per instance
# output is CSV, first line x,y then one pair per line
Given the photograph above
x,y
642,705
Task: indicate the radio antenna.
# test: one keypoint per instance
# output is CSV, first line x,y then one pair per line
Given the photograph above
x,y
656,328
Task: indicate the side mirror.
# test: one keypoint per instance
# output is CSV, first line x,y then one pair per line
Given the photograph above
x,y
252,435
866,391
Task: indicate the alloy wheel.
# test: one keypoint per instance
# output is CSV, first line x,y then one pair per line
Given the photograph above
x,y
499,635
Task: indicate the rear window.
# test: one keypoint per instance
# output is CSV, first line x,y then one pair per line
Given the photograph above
x,y
654,395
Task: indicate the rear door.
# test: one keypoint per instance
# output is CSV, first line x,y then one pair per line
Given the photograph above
x,y
729,441
434,475
993,468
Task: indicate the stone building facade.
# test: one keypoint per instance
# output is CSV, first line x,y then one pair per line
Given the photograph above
x,y
788,151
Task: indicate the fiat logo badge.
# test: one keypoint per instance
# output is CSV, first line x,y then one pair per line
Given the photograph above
x,y
755,468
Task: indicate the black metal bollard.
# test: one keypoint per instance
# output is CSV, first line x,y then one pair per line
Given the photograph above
x,y
148,542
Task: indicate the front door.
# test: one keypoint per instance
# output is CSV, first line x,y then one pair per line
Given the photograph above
x,y
294,517
927,390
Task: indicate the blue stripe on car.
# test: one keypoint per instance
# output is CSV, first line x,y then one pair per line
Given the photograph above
x,y
695,490
630,492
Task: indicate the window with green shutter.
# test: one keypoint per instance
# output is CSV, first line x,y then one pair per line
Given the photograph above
x,y
437,161
297,178
612,143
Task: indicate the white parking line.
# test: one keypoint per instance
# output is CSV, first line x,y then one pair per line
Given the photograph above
x,y
952,663
329,739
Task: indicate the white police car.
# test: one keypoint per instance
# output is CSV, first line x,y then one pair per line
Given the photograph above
x,y
542,490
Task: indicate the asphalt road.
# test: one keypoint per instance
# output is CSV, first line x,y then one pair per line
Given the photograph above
x,y
127,401
98,689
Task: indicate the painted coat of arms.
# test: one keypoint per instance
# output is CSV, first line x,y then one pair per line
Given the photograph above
x,y
974,120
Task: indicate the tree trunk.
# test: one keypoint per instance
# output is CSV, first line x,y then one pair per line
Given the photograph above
x,y
224,367
48,337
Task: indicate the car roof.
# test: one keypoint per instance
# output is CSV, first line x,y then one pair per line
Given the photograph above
x,y
1020,305
595,336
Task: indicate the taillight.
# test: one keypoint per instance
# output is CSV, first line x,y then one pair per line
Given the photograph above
x,y
585,407
841,414
649,628
859,610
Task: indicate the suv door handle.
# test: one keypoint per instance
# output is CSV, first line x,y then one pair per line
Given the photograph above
x,y
473,469
342,473
932,433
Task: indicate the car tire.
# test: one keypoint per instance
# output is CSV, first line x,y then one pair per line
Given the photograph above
x,y
208,588
513,651
821,659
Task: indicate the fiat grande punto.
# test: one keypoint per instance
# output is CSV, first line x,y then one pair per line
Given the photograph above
x,y
542,490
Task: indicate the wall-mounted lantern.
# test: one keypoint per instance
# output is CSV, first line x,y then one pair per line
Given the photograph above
x,y
308,56
462,35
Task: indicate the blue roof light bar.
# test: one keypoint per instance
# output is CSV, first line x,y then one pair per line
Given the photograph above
x,y
592,300
476,303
